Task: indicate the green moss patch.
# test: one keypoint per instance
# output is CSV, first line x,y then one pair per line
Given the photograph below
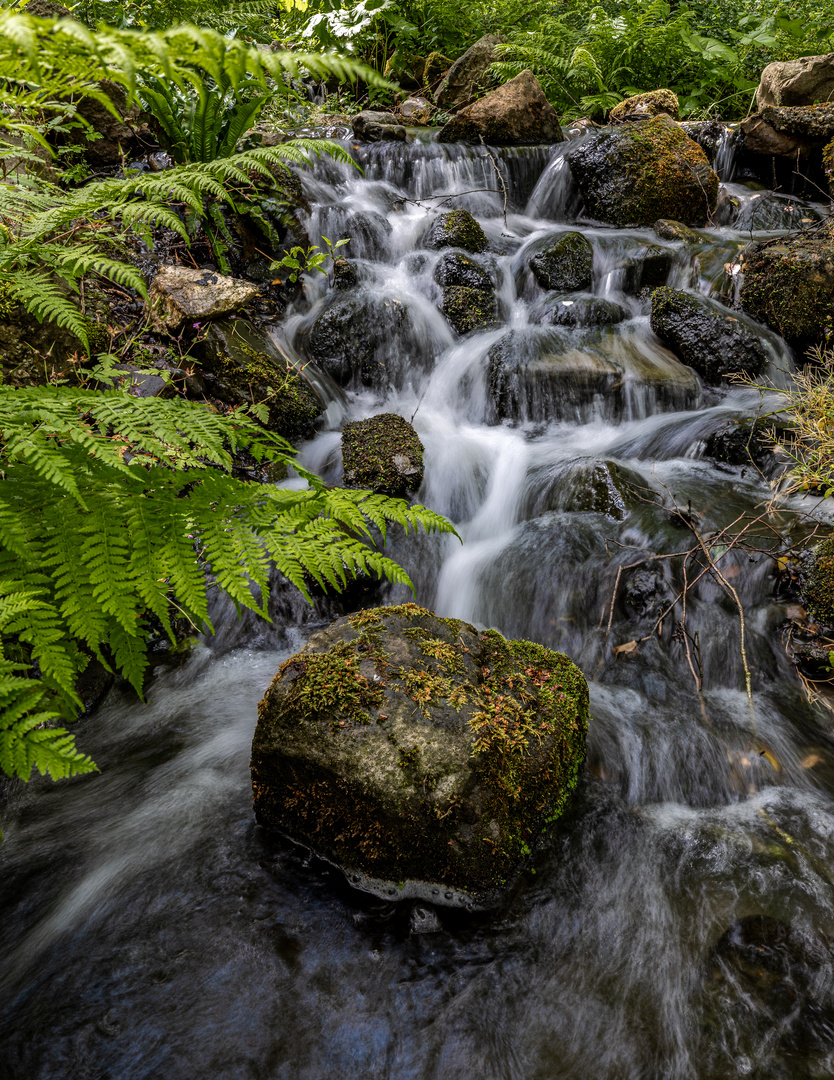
x,y
456,229
817,583
383,453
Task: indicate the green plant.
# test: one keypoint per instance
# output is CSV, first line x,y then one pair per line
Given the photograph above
x,y
114,509
300,260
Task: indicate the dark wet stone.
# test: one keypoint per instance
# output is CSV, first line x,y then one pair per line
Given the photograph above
x,y
383,454
578,311
469,309
708,339
456,268
344,275
456,229
565,265
746,442
348,338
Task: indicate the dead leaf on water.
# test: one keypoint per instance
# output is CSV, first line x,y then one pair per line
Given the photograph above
x,y
811,760
627,649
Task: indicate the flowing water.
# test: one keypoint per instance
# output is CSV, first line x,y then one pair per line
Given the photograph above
x,y
677,926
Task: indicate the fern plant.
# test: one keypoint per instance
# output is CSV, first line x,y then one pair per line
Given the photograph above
x,y
114,508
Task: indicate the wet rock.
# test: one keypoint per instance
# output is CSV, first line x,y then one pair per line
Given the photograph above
x,y
416,111
646,268
344,275
784,131
644,106
816,582
435,68
578,311
383,454
455,268
599,487
423,920
181,294
635,173
465,81
565,265
797,82
516,114
646,592
240,364
469,309
370,126
676,230
365,751
767,974
708,338
348,340
455,229
789,285
746,441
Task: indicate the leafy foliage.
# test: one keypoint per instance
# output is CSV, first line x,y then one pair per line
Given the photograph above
x,y
114,508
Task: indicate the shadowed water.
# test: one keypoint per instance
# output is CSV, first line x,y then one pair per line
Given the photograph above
x,y
678,924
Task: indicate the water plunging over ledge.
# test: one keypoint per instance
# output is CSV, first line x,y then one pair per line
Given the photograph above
x,y
678,925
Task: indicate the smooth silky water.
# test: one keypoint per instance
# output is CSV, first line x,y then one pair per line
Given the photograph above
x,y
151,930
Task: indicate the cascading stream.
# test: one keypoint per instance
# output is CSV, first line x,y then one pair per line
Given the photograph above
x,y
678,925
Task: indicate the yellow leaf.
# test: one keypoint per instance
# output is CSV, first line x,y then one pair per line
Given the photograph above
x,y
627,649
811,760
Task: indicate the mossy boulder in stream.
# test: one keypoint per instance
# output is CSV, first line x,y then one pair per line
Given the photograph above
x,y
707,337
816,582
566,264
635,173
422,756
468,309
456,229
789,285
383,453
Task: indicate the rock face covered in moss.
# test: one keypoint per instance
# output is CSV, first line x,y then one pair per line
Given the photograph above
x,y
789,285
468,309
642,106
516,114
240,364
456,229
422,756
565,265
635,173
817,582
383,453
707,338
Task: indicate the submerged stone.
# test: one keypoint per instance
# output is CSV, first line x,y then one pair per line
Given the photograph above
x,y
708,338
455,229
675,230
383,453
422,756
635,173
565,265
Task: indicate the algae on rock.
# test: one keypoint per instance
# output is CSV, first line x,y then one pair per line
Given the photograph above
x,y
423,757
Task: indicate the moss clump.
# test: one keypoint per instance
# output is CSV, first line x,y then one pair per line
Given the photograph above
x,y
789,286
416,748
468,309
435,68
828,166
641,106
456,229
817,582
636,173
383,453
566,265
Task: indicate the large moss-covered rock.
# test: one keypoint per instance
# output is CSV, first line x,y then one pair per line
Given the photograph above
x,y
239,365
466,78
708,338
383,453
816,582
635,173
565,265
789,285
516,114
349,338
423,757
436,66
643,106
455,229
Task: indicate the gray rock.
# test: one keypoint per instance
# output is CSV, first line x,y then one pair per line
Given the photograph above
x,y
578,310
351,338
370,126
797,82
181,294
365,751
516,114
464,82
705,336
642,106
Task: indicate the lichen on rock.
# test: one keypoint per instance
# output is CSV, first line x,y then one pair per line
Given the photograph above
x,y
816,582
382,453
422,756
633,174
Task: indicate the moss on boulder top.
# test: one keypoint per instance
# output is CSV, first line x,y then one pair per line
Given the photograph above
x,y
422,756
704,335
456,229
789,285
383,453
642,106
635,173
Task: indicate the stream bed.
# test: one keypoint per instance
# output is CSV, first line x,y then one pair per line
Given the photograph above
x,y
679,924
